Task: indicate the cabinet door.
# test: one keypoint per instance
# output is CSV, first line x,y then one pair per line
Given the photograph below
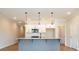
x,y
25,45
39,45
53,45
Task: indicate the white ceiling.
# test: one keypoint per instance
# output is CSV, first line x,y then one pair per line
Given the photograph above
x,y
32,12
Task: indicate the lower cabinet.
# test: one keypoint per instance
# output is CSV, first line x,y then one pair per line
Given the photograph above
x,y
39,45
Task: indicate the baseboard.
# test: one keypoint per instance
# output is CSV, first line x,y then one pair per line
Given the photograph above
x,y
12,43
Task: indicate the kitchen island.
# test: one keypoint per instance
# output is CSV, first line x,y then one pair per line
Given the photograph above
x,y
37,44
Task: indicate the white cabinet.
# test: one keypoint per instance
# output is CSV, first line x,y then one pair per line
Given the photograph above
x,y
28,28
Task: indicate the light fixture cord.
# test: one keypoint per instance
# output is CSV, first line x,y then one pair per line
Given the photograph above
x,y
26,16
39,17
51,17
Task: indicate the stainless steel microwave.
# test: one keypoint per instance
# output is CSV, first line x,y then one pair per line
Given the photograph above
x,y
35,30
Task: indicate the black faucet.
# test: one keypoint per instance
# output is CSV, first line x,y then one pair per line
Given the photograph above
x,y
40,35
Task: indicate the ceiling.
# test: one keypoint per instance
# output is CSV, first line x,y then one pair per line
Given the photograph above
x,y
19,13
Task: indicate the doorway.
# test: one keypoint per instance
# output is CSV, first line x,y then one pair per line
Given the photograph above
x,y
62,34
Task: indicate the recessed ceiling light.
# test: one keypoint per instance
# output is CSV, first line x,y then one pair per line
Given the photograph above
x,y
68,13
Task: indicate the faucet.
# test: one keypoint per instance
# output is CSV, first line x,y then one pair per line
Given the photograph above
x,y
40,35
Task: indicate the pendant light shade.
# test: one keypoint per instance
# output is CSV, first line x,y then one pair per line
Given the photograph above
x,y
39,18
51,12
38,12
26,16
52,18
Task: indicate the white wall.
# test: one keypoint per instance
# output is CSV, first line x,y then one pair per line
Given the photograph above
x,y
7,32
72,32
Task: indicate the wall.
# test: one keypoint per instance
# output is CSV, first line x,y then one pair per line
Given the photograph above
x,y
36,21
72,32
7,32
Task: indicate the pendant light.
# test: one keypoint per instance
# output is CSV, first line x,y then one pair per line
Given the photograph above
x,y
52,18
26,17
39,18
39,22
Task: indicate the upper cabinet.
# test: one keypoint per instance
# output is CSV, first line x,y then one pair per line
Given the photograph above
x,y
41,28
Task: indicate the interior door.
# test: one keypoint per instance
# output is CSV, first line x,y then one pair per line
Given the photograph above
x,y
62,34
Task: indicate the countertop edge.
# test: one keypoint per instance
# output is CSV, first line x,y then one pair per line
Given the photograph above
x,y
35,38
